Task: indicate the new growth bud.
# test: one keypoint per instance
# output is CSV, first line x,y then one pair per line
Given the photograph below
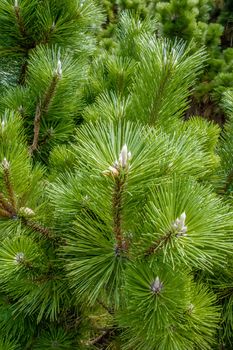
x,y
20,109
26,212
59,68
5,164
190,308
122,163
2,125
164,55
179,226
156,286
124,157
16,3
19,257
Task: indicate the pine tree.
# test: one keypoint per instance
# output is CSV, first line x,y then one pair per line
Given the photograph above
x,y
115,213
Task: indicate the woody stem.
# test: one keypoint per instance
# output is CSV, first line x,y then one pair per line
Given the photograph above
x,y
117,210
158,244
10,190
41,109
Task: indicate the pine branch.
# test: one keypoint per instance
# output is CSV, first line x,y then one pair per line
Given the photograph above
x,y
50,93
8,184
156,102
42,108
4,213
24,262
99,338
4,204
119,172
36,129
24,34
117,209
37,227
158,244
20,22
48,35
23,70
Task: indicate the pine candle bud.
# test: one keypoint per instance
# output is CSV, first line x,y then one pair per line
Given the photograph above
x,y
124,157
2,125
59,68
20,109
190,308
5,164
179,226
19,258
16,3
26,212
122,163
156,286
164,55
174,56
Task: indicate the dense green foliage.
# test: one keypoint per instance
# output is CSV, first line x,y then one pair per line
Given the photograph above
x,y
116,216
204,22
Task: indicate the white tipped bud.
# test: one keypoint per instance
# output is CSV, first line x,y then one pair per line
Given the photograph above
x,y
190,308
86,198
164,55
59,68
3,124
19,257
182,218
184,229
174,55
156,286
20,109
28,212
5,164
124,157
16,3
180,227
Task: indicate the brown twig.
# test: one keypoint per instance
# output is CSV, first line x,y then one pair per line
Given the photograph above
x,y
9,187
41,109
23,70
4,213
99,338
48,34
4,204
117,211
158,244
36,129
37,227
20,23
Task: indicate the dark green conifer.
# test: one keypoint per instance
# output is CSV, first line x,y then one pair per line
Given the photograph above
x,y
116,219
